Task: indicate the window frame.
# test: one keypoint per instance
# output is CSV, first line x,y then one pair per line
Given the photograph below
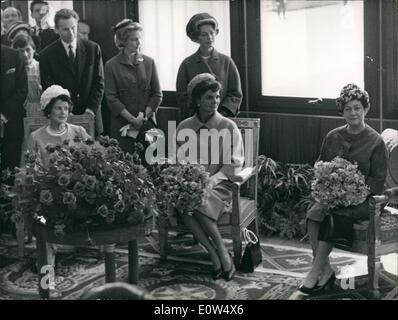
x,y
300,105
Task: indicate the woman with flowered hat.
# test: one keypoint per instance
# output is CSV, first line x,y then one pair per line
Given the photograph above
x,y
356,142
56,105
132,85
221,163
202,28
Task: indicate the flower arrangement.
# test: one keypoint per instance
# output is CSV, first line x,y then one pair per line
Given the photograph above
x,y
183,186
338,183
87,186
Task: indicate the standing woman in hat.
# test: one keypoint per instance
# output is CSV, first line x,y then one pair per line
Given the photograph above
x,y
132,85
202,28
356,142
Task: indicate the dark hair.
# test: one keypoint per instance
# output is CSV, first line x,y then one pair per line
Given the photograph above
x,y
23,40
34,2
65,14
200,89
49,106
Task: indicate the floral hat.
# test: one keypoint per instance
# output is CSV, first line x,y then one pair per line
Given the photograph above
x,y
352,92
197,79
196,21
50,93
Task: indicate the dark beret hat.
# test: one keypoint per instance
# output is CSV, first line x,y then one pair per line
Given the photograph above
x,y
122,24
196,21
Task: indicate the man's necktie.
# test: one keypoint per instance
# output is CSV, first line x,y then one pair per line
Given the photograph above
x,y
71,55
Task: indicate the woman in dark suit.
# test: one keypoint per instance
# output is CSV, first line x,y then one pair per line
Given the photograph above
x,y
132,85
202,28
356,142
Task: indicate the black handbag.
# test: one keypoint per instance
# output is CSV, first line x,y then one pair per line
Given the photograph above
x,y
252,256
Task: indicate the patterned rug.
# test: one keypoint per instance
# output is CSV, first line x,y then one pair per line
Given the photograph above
x,y
186,274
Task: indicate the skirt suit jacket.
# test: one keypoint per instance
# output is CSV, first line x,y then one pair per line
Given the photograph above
x,y
132,86
219,65
221,195
368,150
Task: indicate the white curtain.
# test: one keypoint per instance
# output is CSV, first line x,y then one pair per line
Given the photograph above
x,y
165,39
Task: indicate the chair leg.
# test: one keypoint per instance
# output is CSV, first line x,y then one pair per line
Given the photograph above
x,y
237,246
374,266
163,238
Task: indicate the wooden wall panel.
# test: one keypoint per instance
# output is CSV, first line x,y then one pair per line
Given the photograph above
x,y
296,138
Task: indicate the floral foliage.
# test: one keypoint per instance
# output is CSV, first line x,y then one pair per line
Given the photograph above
x,y
182,186
338,183
87,185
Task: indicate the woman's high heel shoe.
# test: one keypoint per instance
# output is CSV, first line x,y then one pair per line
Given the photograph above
x,y
330,283
217,274
228,275
309,291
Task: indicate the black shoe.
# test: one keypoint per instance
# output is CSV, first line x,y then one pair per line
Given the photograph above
x,y
330,283
217,274
228,275
309,291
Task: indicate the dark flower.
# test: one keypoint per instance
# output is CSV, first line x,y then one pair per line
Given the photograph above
x,y
90,182
64,180
109,189
50,148
103,210
46,197
89,141
120,206
69,198
79,189
77,139
113,142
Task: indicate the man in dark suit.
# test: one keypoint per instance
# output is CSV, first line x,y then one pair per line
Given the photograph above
x,y
75,64
39,10
14,89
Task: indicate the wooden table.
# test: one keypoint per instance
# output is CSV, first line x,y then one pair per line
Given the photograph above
x,y
121,235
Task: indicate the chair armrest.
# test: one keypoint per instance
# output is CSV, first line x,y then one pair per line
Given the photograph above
x,y
243,176
391,193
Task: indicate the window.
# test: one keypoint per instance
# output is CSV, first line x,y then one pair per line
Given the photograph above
x,y
165,40
311,48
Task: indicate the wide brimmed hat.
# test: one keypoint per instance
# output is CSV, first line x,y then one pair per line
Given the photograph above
x,y
50,93
196,21
351,92
15,27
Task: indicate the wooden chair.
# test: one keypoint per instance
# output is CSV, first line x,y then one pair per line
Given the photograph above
x,y
31,124
379,235
244,196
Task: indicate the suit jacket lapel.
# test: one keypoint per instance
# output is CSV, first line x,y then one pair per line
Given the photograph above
x,y
81,59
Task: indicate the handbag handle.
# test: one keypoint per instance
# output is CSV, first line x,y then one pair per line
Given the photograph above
x,y
250,236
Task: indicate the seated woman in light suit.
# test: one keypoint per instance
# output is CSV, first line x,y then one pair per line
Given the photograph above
x,y
56,105
204,93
